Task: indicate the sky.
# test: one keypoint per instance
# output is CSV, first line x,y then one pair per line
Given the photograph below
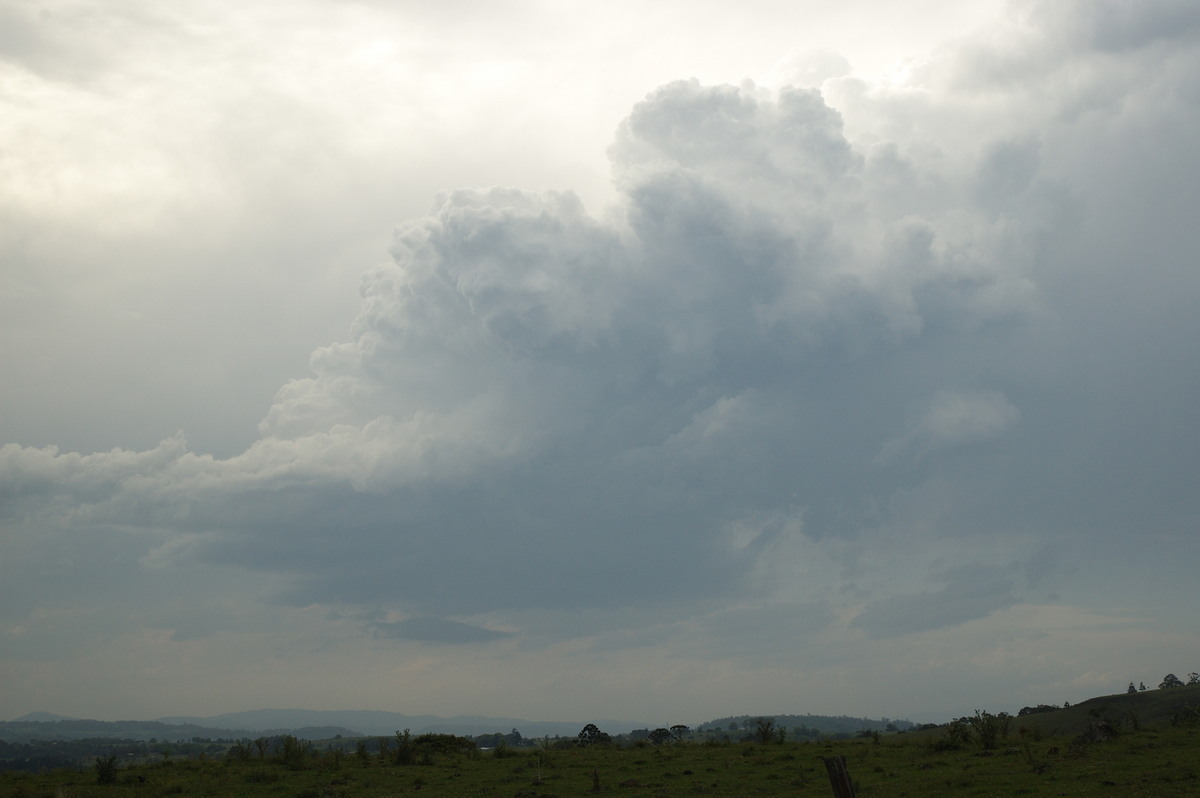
x,y
572,361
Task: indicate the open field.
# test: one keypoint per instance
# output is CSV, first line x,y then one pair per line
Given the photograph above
x,y
1160,762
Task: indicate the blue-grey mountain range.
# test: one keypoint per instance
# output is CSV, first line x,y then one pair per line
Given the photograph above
x,y
305,723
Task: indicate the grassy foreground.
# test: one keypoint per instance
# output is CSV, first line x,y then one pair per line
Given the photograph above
x,y
1156,762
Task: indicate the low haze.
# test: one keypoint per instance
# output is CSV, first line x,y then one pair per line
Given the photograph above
x,y
571,362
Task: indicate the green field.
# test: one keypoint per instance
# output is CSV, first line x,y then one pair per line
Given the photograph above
x,y
1141,744
1144,762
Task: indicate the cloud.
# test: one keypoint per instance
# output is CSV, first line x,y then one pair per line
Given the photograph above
x,y
438,630
537,408
953,419
547,407
836,350
969,593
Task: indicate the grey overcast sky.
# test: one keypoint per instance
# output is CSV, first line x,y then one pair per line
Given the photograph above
x,y
579,360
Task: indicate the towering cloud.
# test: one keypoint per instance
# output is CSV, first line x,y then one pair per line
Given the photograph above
x,y
823,331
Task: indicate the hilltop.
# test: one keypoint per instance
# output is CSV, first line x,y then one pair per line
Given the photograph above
x,y
1148,708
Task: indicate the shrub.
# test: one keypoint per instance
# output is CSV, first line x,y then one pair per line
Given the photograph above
x,y
989,728
239,752
765,732
504,751
294,752
106,769
1186,716
404,748
958,733
361,753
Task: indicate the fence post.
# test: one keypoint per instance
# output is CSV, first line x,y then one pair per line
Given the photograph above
x,y
839,776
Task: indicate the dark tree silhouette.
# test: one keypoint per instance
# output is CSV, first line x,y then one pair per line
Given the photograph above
x,y
1170,680
590,735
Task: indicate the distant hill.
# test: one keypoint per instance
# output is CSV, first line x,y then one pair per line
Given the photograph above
x,y
1148,708
803,725
20,731
303,723
368,722
41,717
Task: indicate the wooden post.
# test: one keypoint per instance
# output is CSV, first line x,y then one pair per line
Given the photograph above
x,y
839,776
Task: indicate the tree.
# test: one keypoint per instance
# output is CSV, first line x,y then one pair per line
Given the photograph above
x,y
764,730
1170,680
360,751
405,753
590,735
660,736
679,730
1194,678
989,728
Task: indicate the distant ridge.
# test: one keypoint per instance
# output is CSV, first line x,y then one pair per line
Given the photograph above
x,y
373,722
40,717
1150,708
81,729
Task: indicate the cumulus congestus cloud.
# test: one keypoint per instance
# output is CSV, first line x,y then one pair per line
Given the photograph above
x,y
861,358
537,407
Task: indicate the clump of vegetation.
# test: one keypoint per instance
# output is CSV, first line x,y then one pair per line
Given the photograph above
x,y
1188,715
106,769
955,735
765,731
989,729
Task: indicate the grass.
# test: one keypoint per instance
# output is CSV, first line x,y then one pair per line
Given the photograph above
x,y
1160,761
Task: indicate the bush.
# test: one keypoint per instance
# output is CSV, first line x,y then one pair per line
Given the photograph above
x,y
239,752
989,728
1186,716
106,769
294,752
958,733
503,750
404,748
361,753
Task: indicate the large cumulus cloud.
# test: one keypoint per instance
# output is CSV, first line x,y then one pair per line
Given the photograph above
x,y
791,330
